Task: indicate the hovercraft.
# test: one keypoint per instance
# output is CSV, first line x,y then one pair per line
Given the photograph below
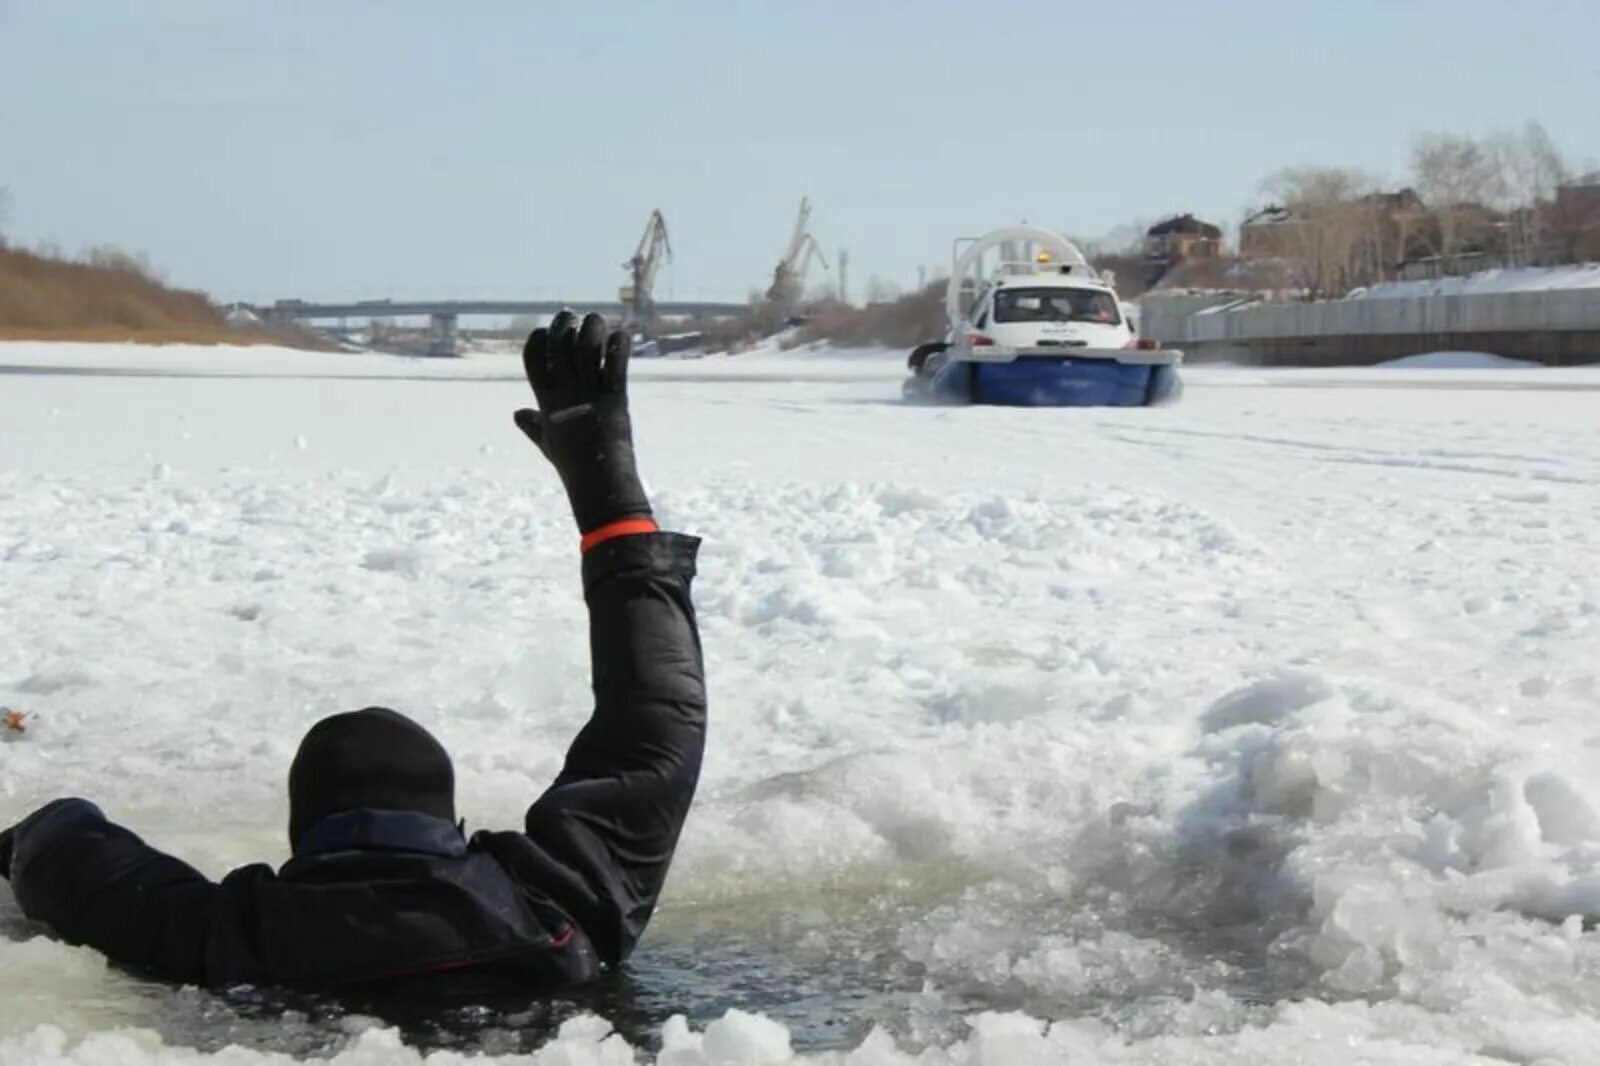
x,y
1038,327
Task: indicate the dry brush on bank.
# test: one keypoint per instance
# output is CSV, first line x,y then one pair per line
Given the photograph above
x,y
108,295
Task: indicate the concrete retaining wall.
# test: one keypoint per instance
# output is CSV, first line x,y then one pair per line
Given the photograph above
x,y
1558,327
1162,314
1564,348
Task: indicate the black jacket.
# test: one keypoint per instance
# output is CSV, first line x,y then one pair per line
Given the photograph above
x,y
371,895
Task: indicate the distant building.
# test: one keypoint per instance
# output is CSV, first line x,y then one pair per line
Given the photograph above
x,y
1182,237
1578,219
1382,230
1399,230
1269,233
1175,241
1401,202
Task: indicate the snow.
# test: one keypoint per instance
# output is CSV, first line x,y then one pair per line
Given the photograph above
x,y
1459,361
1506,279
1259,728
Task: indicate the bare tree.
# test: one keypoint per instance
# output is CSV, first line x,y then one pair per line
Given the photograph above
x,y
1530,168
110,257
1126,239
881,290
1330,229
1458,177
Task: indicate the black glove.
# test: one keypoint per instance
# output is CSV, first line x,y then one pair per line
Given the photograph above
x,y
580,377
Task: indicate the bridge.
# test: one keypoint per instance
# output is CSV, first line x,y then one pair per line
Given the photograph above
x,y
444,315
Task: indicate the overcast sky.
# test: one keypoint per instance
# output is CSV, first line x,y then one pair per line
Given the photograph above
x,y
342,149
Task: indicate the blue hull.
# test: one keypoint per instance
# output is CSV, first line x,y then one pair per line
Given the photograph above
x,y
1056,382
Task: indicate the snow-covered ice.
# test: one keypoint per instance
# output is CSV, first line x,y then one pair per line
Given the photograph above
x,y
1260,728
1459,361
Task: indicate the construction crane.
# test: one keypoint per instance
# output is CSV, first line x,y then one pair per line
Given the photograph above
x,y
638,301
789,277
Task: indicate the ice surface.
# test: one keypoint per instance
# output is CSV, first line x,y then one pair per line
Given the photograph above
x,y
1261,728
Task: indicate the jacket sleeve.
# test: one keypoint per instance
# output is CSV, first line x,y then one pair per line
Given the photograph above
x,y
613,815
96,883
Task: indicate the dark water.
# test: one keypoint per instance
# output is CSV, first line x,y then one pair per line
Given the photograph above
x,y
830,987
832,964
827,1002
829,991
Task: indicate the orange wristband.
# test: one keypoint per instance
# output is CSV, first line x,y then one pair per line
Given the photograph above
x,y
627,527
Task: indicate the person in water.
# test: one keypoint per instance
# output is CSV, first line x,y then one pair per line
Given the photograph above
x,y
382,883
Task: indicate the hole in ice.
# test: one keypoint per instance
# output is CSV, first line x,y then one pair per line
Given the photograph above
x,y
825,996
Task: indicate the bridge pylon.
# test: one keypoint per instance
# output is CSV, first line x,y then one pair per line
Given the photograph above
x,y
442,334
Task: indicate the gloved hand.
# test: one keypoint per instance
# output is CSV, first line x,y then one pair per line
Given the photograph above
x,y
580,378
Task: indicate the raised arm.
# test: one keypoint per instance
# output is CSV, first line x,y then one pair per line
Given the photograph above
x,y
613,816
96,883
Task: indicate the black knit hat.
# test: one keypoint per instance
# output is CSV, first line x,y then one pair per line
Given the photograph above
x,y
375,758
